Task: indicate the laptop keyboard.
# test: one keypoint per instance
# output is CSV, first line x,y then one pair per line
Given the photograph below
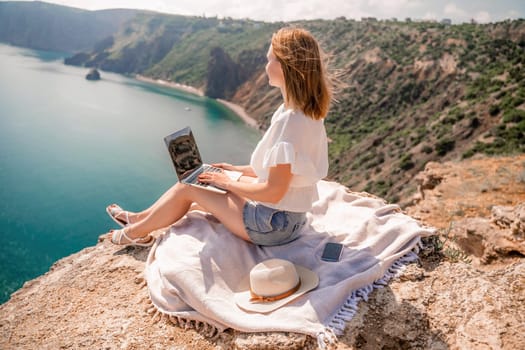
x,y
208,169
204,169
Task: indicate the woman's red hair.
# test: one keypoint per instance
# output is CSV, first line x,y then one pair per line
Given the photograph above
x,y
308,86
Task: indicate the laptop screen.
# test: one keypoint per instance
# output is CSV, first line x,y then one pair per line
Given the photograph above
x,y
183,152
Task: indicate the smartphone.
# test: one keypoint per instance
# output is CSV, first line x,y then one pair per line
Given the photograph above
x,y
332,252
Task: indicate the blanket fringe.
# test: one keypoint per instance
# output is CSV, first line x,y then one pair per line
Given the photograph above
x,y
326,339
338,323
204,328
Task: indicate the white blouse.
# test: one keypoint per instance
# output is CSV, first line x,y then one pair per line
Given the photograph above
x,y
300,141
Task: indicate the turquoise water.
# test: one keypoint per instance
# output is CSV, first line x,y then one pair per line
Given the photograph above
x,y
69,147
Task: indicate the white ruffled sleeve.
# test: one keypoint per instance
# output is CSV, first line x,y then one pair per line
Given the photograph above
x,y
308,171
281,153
301,165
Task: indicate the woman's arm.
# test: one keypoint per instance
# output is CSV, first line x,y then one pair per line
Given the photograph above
x,y
271,191
246,170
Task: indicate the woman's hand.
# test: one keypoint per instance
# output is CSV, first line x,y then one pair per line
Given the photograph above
x,y
218,179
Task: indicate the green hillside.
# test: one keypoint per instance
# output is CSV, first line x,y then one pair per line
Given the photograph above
x,y
44,26
419,92
178,48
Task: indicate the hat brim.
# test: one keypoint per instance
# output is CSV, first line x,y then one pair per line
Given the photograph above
x,y
309,281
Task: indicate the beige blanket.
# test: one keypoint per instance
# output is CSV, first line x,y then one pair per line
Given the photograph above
x,y
194,269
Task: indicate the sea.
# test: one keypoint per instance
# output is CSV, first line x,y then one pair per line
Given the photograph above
x,y
69,147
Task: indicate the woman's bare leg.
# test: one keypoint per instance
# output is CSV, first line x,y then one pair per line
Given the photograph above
x,y
178,200
134,217
138,216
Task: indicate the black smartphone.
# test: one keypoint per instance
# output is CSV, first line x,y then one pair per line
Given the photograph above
x,y
332,252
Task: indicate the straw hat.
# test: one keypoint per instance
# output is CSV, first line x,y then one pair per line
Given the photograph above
x,y
273,283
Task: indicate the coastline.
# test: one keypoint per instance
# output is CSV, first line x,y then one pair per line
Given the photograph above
x,y
238,110
181,87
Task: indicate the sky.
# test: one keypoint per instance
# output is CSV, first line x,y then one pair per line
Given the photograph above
x,y
483,11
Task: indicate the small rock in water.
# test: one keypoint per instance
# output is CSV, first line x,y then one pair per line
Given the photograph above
x,y
93,75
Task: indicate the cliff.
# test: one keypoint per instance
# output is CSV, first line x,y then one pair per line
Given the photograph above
x,y
451,299
415,96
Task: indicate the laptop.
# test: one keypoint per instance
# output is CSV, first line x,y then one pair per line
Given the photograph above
x,y
187,160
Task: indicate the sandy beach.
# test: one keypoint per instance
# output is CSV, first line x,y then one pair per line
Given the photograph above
x,y
240,112
182,87
192,90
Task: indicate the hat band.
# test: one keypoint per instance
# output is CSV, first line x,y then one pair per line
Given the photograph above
x,y
259,298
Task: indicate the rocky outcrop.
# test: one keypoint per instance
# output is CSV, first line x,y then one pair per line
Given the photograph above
x,y
497,238
223,75
479,204
93,74
467,189
96,299
444,305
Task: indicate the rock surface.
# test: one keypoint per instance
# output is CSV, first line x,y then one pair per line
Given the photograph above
x,y
480,206
97,299
469,188
444,305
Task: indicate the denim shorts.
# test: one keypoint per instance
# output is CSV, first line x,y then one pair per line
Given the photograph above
x,y
268,226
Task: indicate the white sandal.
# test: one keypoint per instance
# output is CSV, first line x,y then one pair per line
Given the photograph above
x,y
117,235
114,211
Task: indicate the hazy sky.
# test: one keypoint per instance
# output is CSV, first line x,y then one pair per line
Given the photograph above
x,y
459,11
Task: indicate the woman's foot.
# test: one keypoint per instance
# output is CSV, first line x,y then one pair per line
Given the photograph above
x,y
119,215
120,237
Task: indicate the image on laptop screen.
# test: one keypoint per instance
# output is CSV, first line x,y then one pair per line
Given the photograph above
x,y
184,152
188,163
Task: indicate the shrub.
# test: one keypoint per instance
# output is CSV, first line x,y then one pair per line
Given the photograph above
x,y
514,116
427,149
469,153
444,146
494,110
501,94
406,162
518,100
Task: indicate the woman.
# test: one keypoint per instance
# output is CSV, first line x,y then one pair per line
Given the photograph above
x,y
267,205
